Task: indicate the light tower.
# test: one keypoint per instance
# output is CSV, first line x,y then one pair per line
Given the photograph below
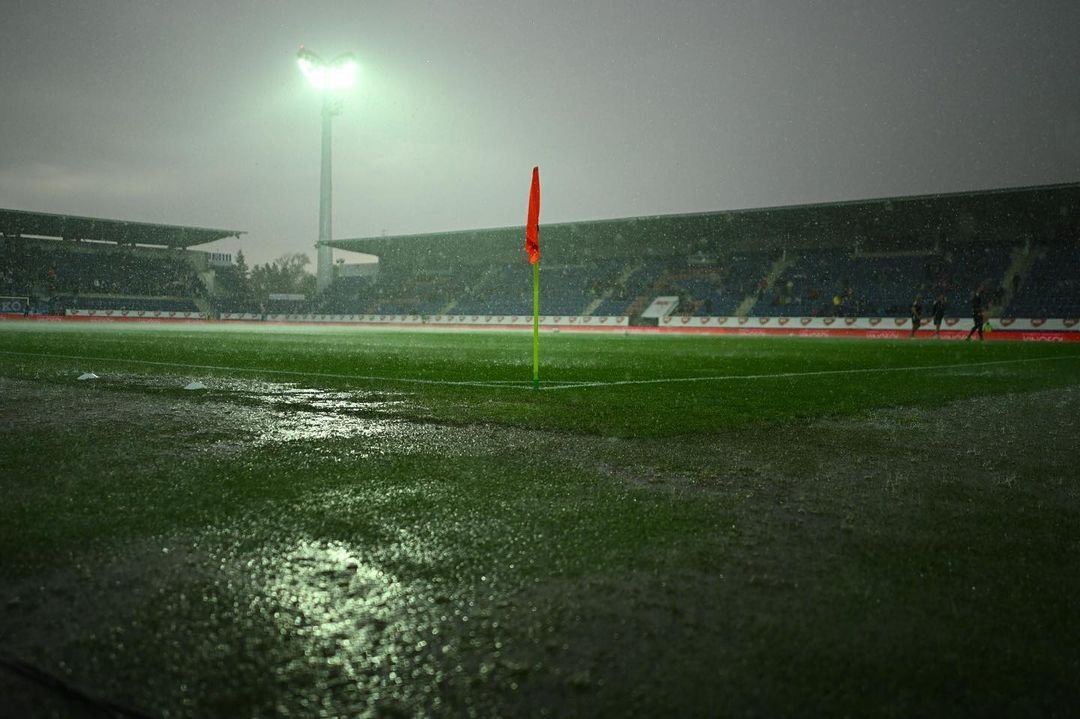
x,y
329,78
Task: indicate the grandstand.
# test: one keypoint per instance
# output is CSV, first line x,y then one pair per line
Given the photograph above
x,y
867,258
69,265
1052,287
1021,246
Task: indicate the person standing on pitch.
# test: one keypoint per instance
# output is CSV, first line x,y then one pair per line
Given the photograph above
x,y
916,315
939,314
977,315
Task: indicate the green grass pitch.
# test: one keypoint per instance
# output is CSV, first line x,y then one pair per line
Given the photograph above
x,y
357,522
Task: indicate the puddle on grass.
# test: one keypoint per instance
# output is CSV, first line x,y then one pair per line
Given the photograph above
x,y
276,412
298,627
228,415
363,641
301,425
154,416
290,395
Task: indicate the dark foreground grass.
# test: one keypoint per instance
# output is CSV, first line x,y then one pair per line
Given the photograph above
x,y
889,529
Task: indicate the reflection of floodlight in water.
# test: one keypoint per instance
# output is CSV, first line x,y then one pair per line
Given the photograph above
x,y
327,77
335,75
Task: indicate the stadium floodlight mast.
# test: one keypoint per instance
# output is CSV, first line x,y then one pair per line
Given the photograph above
x,y
329,78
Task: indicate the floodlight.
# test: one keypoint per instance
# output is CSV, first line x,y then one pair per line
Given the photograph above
x,y
335,75
328,77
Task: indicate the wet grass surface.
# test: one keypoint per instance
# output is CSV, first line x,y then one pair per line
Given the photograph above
x,y
704,383
884,543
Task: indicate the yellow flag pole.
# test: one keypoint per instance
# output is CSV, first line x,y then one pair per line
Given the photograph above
x,y
536,325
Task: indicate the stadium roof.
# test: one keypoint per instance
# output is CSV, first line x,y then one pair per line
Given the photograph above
x,y
897,217
16,223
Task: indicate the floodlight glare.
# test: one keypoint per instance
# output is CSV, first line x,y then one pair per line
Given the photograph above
x,y
335,75
328,77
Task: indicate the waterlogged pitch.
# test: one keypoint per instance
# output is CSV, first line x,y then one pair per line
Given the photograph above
x,y
374,523
637,385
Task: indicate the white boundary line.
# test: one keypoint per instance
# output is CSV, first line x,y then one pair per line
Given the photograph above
x,y
550,386
816,373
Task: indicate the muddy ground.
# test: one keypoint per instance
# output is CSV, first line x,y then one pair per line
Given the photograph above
x,y
902,561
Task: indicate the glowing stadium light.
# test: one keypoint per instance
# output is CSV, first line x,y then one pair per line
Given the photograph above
x,y
335,75
328,77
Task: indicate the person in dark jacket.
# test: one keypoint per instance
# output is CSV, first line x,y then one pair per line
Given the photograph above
x,y
916,315
978,315
939,314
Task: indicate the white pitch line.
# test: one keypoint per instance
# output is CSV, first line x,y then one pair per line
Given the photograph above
x,y
550,386
816,373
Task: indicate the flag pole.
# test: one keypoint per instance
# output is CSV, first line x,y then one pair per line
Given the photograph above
x,y
532,247
536,325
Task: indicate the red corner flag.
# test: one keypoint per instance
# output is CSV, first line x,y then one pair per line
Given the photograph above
x,y
532,226
532,246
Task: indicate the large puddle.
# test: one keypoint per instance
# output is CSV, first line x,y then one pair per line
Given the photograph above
x,y
285,412
367,642
226,416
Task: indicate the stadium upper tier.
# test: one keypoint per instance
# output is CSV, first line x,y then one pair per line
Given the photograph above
x,y
19,223
872,257
878,225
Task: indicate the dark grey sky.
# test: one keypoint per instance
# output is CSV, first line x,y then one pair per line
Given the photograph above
x,y
195,112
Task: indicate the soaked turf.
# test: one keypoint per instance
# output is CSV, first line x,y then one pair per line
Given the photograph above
x,y
297,546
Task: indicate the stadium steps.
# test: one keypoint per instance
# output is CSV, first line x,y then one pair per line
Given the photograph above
x,y
747,305
1020,262
591,307
744,308
643,300
622,279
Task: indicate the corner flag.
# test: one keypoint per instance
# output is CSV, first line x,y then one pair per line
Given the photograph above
x,y
532,225
532,246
